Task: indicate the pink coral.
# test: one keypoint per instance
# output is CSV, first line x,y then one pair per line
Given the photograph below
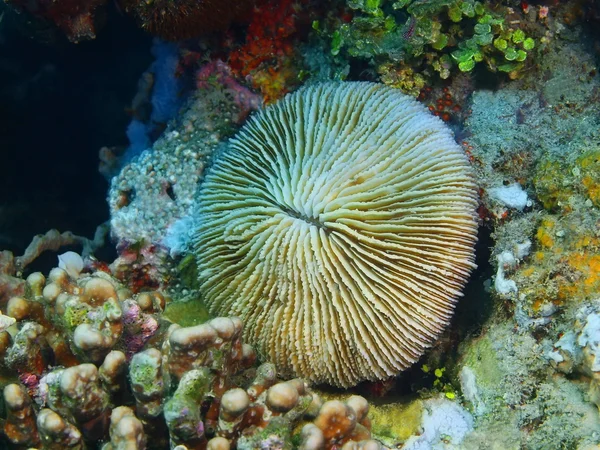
x,y
139,327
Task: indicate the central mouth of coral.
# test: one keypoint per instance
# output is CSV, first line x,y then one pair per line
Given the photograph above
x,y
298,215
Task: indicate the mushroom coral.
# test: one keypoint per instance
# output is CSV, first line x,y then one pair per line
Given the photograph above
x,y
340,225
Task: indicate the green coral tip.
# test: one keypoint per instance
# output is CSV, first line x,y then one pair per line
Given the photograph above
x,y
373,4
455,14
303,75
336,43
445,60
440,42
478,57
471,44
401,4
510,54
316,25
438,373
389,24
518,36
466,66
483,28
479,9
528,44
500,44
521,55
450,395
485,19
508,67
467,9
463,55
484,39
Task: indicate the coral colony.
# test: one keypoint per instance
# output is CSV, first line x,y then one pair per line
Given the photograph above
x,y
297,218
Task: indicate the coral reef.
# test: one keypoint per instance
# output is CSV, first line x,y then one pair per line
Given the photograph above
x,y
321,227
79,320
10,284
12,267
217,73
443,423
157,188
304,211
408,42
534,405
150,383
529,373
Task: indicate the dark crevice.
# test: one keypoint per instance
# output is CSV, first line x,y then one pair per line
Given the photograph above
x,y
297,215
170,192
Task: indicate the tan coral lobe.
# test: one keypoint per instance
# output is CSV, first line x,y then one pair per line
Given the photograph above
x,y
339,224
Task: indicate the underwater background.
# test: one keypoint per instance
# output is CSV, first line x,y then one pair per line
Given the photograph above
x,y
262,224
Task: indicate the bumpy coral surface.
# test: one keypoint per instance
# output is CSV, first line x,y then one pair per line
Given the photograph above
x,y
158,187
97,365
339,225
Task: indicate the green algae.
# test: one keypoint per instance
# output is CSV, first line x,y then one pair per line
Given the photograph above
x,y
394,423
275,435
440,36
188,313
482,358
75,315
144,372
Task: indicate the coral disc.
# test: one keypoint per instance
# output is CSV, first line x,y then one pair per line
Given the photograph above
x,y
340,225
175,20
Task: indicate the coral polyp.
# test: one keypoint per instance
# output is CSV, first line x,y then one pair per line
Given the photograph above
x,y
343,214
175,20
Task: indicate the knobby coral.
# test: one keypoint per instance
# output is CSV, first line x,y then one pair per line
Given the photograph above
x,y
88,369
340,225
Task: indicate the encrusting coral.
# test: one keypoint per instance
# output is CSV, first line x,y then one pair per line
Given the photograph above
x,y
156,189
339,225
523,373
85,381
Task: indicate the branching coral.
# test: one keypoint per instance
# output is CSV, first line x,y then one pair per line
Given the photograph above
x,y
340,226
